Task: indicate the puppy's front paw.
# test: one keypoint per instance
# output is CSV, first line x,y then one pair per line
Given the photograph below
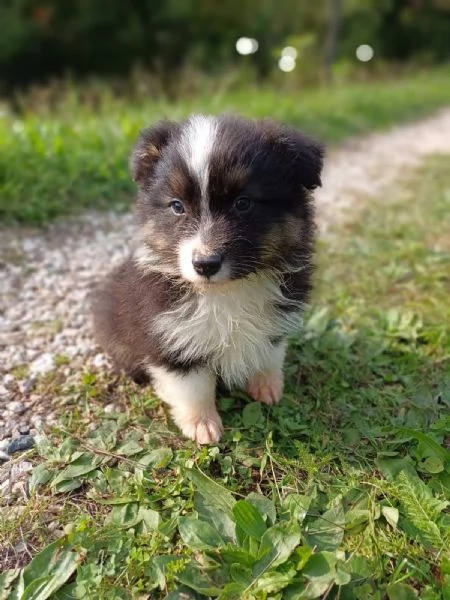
x,y
266,387
206,429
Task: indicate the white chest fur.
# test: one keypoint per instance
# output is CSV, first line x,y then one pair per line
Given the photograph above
x,y
230,326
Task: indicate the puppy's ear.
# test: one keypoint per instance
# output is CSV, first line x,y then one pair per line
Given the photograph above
x,y
306,155
302,155
148,148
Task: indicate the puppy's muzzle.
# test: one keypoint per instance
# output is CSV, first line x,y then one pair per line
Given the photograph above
x,y
207,265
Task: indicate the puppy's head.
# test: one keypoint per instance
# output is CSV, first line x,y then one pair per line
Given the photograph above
x,y
222,197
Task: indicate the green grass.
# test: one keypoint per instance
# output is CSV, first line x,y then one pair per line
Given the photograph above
x,y
64,160
341,491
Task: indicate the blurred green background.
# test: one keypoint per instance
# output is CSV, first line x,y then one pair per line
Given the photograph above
x,y
41,39
79,78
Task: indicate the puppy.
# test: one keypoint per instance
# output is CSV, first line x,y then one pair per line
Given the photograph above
x,y
222,268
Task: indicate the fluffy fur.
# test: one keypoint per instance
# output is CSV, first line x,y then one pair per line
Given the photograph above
x,y
222,267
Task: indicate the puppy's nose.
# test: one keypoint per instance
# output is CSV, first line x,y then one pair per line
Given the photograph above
x,y
207,265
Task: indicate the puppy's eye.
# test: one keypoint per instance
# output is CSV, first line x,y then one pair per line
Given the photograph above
x,y
177,207
242,204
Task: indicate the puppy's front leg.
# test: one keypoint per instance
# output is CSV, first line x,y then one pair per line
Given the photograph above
x,y
192,398
267,385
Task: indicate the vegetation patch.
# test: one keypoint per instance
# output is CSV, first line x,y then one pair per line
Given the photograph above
x,y
74,157
342,491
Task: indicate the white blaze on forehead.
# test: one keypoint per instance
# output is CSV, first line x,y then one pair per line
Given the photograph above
x,y
196,145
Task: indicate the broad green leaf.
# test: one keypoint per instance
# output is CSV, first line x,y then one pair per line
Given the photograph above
x,y
7,578
233,554
128,448
248,519
215,494
360,566
219,519
343,577
306,591
320,571
83,465
241,574
150,518
298,506
182,593
252,414
391,467
40,476
67,592
390,513
355,518
197,581
400,591
432,464
264,506
48,571
199,535
232,591
17,592
277,544
427,441
124,515
273,581
327,532
67,485
321,566
156,459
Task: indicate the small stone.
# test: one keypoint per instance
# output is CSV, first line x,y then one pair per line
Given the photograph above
x,y
17,407
4,456
110,408
20,547
42,364
24,429
4,444
14,512
11,339
4,391
55,535
37,421
27,385
18,488
51,418
52,526
99,361
8,380
18,469
24,442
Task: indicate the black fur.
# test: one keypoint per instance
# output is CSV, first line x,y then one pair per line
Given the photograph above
x,y
273,165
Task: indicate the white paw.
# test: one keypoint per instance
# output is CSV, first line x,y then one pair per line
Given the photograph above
x,y
206,429
266,387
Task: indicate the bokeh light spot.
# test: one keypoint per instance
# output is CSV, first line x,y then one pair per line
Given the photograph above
x,y
286,63
289,51
364,53
246,45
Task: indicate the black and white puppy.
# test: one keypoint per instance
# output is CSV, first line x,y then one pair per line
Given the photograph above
x,y
223,264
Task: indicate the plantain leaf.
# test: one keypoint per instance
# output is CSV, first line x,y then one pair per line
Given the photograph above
x,y
249,519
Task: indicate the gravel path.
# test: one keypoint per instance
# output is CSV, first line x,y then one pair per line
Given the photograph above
x,y
45,276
